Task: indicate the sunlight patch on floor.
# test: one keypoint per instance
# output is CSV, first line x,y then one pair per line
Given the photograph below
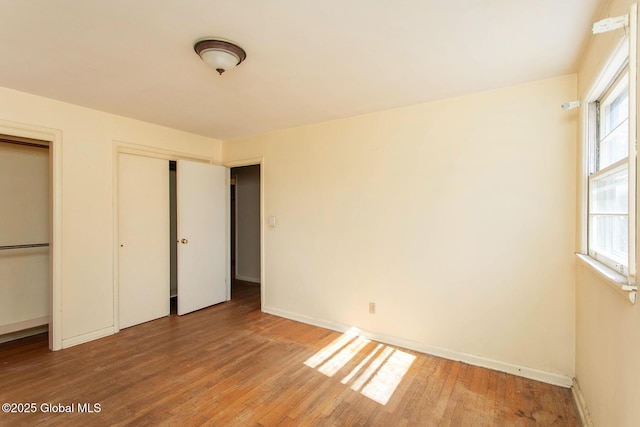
x,y
362,364
387,379
371,369
334,364
330,349
378,373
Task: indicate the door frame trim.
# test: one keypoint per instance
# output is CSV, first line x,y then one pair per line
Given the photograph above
x,y
124,147
54,138
253,162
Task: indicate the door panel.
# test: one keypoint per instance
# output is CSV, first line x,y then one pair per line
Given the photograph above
x,y
202,194
143,233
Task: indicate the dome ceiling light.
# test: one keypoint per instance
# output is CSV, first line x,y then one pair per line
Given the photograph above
x,y
221,55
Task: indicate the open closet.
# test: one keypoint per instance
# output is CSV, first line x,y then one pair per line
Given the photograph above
x,y
173,228
245,223
24,237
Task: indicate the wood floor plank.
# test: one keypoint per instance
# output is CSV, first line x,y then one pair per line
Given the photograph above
x,y
490,397
233,365
446,404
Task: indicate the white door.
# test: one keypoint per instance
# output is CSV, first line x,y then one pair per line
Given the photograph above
x,y
143,234
203,204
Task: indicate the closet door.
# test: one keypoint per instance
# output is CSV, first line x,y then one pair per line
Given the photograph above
x,y
203,203
143,233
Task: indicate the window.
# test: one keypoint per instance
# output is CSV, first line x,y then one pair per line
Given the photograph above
x,y
609,178
608,206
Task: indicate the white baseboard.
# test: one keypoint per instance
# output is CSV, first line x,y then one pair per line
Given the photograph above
x,y
496,365
578,397
247,278
81,339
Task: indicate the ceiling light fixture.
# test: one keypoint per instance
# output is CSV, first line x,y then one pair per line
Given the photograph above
x,y
221,55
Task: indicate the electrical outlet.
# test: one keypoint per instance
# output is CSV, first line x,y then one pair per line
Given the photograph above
x,y
372,308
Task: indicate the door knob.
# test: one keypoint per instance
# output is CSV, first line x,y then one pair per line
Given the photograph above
x,y
184,241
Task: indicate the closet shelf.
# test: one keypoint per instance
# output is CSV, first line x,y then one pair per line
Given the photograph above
x,y
31,245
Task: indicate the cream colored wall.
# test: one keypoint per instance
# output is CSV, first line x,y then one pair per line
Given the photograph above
x,y
88,197
607,325
607,352
454,217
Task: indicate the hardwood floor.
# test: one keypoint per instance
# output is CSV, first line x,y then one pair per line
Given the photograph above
x,y
232,365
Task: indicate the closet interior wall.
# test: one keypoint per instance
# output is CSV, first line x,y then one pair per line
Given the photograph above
x,y
24,237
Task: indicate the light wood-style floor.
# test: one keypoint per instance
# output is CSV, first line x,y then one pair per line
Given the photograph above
x,y
232,365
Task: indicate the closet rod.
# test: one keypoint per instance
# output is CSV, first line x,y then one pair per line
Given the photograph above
x,y
32,245
24,141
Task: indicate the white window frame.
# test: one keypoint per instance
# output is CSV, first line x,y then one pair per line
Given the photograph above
x,y
623,279
596,116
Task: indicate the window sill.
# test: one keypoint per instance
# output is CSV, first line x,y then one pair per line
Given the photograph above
x,y
611,277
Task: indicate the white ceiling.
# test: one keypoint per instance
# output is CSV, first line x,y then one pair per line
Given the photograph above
x,y
307,61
